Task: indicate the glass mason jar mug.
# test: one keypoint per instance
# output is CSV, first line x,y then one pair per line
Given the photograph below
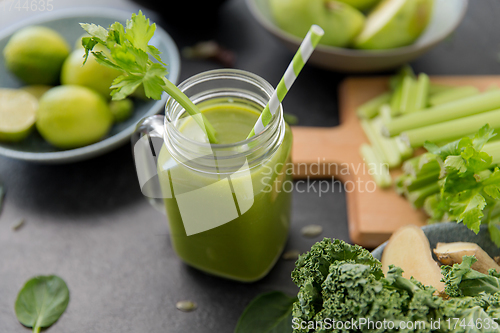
x,y
227,206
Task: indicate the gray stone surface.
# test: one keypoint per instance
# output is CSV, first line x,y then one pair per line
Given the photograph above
x,y
89,223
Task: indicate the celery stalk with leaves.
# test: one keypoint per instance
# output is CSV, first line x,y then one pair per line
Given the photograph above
x,y
141,64
465,182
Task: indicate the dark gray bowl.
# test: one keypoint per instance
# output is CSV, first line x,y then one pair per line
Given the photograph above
x,y
66,21
446,17
452,232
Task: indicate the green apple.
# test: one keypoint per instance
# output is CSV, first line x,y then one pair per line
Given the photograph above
x,y
361,4
395,23
341,22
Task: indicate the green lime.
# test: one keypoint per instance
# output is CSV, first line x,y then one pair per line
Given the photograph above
x,y
73,116
17,114
121,110
37,90
92,75
35,55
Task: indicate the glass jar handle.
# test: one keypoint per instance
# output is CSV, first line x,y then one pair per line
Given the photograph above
x,y
147,141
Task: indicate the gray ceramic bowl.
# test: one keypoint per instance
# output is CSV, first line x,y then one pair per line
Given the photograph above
x,y
34,148
446,17
452,232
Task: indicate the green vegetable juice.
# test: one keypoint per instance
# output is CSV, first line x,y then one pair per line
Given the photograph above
x,y
230,224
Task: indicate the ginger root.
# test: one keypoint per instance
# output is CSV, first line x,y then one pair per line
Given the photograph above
x,y
409,249
452,253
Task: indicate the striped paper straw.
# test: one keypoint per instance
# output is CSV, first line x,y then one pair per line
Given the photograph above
x,y
299,60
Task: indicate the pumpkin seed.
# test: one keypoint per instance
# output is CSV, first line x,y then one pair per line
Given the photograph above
x,y
18,225
186,306
312,230
291,255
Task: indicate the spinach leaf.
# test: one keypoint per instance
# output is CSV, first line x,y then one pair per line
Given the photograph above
x,y
267,313
41,302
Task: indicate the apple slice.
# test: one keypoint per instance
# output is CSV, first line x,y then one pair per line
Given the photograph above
x,y
409,249
395,23
341,22
361,4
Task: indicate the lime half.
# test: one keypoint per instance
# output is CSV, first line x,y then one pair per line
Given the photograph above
x,y
17,114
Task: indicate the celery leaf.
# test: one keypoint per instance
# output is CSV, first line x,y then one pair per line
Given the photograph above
x,y
130,52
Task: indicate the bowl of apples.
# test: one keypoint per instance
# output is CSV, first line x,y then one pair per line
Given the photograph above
x,y
362,35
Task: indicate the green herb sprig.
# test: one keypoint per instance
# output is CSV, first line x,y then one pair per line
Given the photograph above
x,y
128,50
470,183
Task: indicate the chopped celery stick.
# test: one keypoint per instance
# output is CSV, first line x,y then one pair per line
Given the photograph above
x,y
453,95
421,165
438,88
451,130
404,148
410,166
417,197
405,151
397,79
493,149
441,113
428,162
399,184
370,108
378,170
388,149
372,137
414,183
385,112
396,84
422,92
408,95
396,101
388,146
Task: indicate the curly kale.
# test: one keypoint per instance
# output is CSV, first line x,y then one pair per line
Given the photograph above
x,y
462,280
339,282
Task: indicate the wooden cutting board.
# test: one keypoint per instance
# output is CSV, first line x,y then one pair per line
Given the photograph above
x,y
323,153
